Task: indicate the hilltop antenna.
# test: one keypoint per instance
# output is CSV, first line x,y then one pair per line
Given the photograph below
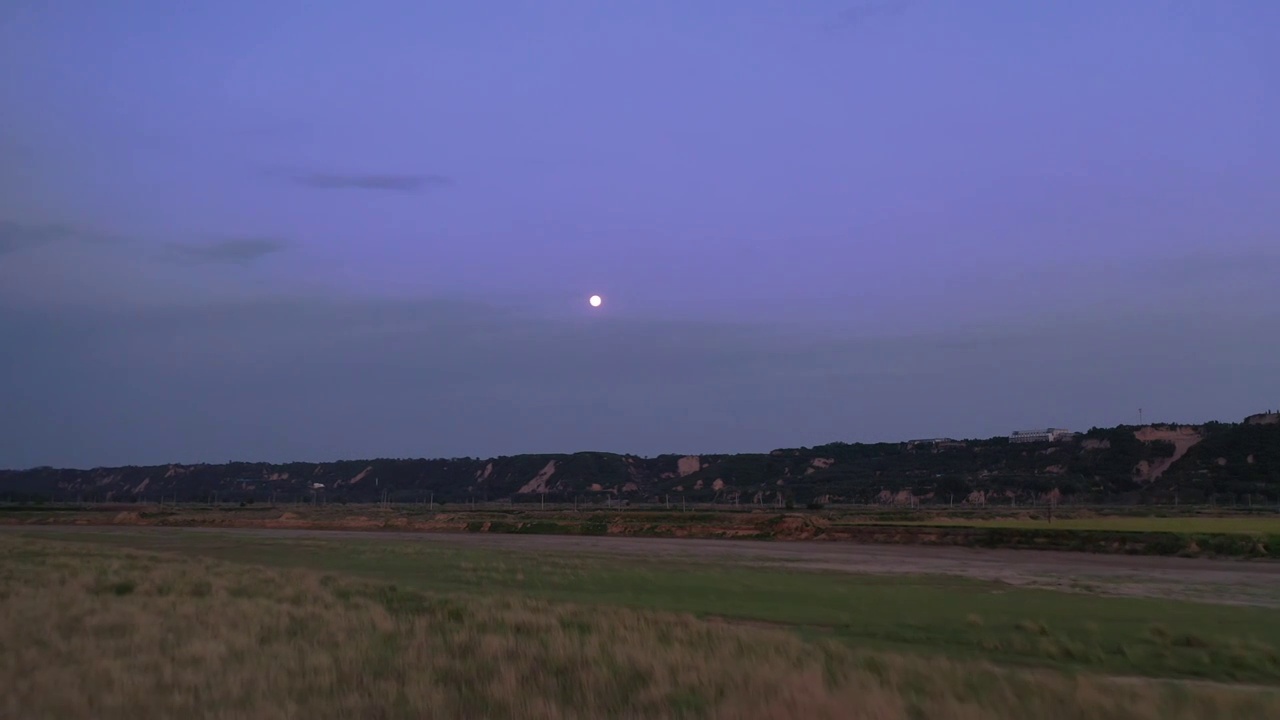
x,y
1139,416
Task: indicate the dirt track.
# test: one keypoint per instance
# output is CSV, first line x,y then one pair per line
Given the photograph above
x,y
1222,581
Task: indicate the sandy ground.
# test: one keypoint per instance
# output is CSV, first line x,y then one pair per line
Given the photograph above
x,y
1251,582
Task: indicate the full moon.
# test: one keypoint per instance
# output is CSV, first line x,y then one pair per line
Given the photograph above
x,y
595,300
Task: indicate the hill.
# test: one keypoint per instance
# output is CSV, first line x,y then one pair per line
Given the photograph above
x,y
1215,462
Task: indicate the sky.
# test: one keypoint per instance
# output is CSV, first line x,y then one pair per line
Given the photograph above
x,y
311,231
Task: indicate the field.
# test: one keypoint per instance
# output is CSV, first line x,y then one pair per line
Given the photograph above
x,y
1258,525
1181,531
156,622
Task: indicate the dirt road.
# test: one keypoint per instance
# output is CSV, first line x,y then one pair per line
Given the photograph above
x,y
1254,582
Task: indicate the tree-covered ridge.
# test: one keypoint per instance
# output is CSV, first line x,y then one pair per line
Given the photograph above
x,y
1216,462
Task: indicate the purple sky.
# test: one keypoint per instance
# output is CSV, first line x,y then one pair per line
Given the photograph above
x,y
287,230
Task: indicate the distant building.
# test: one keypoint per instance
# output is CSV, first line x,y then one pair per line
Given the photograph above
x,y
930,441
1045,435
937,444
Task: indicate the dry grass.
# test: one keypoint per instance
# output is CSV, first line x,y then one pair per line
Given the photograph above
x,y
95,633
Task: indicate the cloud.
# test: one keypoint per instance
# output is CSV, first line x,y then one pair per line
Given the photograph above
x,y
15,236
863,12
1230,264
379,182
237,251
12,151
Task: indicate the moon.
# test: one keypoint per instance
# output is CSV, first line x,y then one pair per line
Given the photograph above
x,y
595,300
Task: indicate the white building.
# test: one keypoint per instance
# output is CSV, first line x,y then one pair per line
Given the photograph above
x,y
1045,435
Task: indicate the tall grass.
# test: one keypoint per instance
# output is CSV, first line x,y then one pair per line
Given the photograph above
x,y
94,633
931,614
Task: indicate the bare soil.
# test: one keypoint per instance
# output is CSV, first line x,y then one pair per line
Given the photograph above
x,y
1183,439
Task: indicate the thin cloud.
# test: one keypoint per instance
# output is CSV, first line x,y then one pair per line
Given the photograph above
x,y
861,13
385,183
1228,263
16,236
12,151
235,251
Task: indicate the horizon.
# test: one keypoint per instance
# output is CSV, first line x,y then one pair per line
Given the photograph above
x,y
426,458
372,231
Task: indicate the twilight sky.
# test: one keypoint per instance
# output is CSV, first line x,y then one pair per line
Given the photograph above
x,y
320,230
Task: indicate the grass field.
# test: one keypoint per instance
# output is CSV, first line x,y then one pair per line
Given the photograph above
x,y
213,625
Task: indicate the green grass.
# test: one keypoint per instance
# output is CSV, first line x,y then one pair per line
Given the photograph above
x,y
103,631
910,613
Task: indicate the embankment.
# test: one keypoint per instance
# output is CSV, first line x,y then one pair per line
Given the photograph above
x,y
744,526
